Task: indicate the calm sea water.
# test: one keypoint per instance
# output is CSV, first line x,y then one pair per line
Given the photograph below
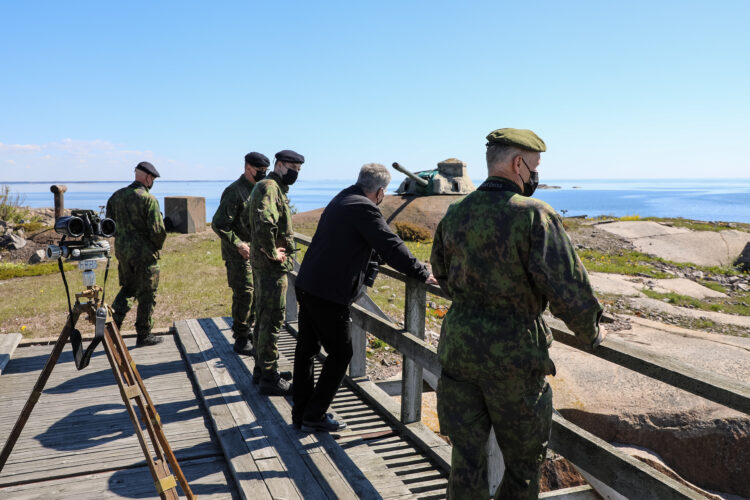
x,y
710,200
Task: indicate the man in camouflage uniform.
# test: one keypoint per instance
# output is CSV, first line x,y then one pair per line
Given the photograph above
x,y
270,219
140,236
235,246
502,257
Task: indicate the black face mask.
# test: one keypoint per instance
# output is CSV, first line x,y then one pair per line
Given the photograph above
x,y
530,186
289,177
259,175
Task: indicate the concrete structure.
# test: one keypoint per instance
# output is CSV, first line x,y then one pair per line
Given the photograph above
x,y
185,214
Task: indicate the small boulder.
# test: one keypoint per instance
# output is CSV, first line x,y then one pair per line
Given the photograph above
x,y
14,242
37,257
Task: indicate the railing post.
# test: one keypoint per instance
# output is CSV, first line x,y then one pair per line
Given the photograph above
x,y
358,364
411,378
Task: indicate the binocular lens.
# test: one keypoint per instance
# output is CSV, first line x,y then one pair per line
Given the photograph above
x,y
70,226
108,228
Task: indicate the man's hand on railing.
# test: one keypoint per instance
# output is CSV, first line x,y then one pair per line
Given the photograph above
x,y
431,280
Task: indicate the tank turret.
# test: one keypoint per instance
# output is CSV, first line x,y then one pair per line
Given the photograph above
x,y
450,177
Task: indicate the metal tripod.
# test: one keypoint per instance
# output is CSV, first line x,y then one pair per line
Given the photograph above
x,y
132,390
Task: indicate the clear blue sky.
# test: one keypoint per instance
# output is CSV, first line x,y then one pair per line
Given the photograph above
x,y
616,89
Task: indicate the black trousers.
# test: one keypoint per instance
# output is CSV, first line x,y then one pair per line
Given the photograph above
x,y
325,323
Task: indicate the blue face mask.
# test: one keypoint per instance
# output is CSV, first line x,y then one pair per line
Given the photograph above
x,y
530,186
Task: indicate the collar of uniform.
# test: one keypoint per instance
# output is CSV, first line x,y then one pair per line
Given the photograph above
x,y
276,177
495,183
137,184
246,182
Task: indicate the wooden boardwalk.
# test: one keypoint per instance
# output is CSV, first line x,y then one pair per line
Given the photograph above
x,y
230,441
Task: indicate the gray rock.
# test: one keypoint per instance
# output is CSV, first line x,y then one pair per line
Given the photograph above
x,y
37,257
705,443
3,224
14,242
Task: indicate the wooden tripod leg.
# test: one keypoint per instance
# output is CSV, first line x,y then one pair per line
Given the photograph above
x,y
132,387
38,388
153,417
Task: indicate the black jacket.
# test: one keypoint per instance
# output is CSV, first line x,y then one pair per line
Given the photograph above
x,y
349,229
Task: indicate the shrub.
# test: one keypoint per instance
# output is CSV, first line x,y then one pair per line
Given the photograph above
x,y
10,206
412,232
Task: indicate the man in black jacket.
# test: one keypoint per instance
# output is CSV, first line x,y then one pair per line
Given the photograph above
x,y
350,230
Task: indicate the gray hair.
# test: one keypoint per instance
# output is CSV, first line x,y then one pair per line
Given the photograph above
x,y
498,153
373,176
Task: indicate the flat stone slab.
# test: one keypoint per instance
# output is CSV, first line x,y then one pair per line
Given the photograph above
x,y
631,286
683,286
704,248
616,284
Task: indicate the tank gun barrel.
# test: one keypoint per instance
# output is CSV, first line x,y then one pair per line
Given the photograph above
x,y
421,182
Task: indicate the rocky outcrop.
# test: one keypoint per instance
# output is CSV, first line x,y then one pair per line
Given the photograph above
x,y
703,442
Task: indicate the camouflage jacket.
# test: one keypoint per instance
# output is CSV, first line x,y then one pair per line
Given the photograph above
x,y
270,220
140,227
227,221
502,257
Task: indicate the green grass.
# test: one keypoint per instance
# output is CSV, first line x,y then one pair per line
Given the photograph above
x,y
192,284
716,287
10,270
634,262
629,263
730,305
696,225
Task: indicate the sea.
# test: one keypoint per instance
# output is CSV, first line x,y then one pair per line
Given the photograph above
x,y
725,200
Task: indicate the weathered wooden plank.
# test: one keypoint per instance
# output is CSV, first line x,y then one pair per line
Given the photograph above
x,y
8,344
411,375
719,389
414,348
268,418
243,468
207,477
584,492
347,477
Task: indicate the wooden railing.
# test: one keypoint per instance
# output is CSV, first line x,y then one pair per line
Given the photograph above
x,y
599,461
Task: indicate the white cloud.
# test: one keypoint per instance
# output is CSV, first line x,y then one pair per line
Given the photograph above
x,y
73,159
18,147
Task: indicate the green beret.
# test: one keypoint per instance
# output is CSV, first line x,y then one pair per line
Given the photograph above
x,y
524,139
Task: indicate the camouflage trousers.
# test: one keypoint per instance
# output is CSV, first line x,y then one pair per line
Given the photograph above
x,y
270,305
240,279
519,409
138,281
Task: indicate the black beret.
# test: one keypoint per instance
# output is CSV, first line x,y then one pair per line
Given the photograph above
x,y
148,168
257,160
290,156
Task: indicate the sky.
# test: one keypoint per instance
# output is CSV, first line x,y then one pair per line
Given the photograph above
x,y
636,89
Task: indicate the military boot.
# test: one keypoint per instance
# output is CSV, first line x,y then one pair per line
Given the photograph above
x,y
257,374
242,346
148,339
275,385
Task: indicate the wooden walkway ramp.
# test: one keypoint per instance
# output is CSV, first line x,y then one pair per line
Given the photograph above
x,y
368,460
79,442
230,441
